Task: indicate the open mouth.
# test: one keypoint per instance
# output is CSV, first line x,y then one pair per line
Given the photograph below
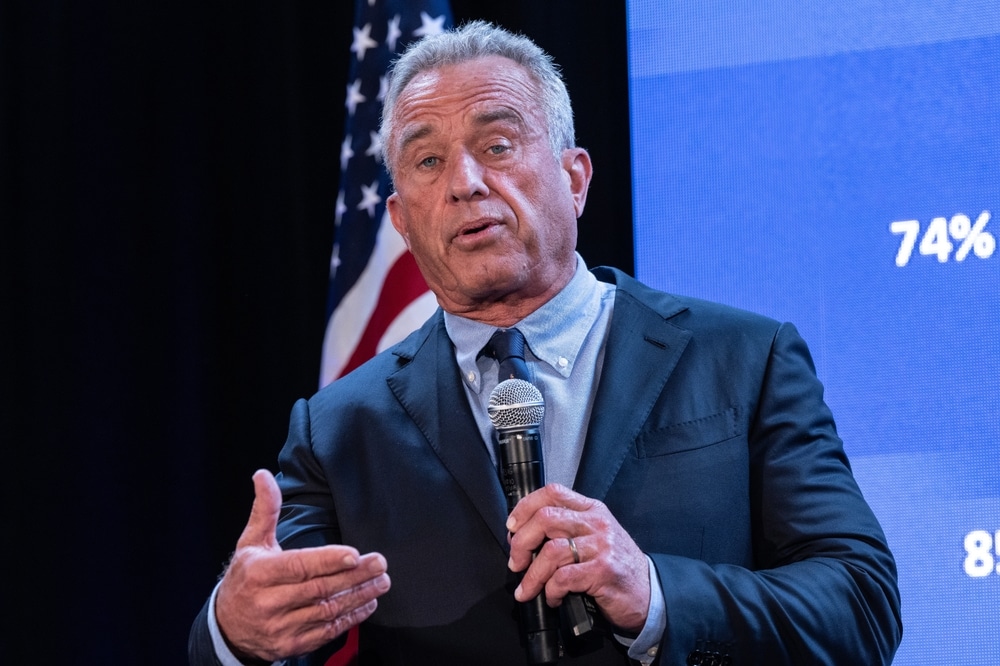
x,y
476,229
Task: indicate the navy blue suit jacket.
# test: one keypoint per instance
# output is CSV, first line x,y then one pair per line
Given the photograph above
x,y
710,442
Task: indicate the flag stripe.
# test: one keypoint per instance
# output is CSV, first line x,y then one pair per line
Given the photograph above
x,y
403,284
348,322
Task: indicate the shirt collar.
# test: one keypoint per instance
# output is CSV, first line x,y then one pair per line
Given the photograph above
x,y
548,337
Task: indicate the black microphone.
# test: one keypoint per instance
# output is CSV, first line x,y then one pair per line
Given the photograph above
x,y
516,409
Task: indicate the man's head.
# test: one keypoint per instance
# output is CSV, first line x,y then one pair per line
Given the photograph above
x,y
478,40
478,137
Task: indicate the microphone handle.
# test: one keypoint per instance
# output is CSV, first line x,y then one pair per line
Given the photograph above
x,y
522,472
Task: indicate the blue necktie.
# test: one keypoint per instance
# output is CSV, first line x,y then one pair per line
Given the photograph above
x,y
507,347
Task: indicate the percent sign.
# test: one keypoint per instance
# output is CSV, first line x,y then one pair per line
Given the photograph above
x,y
940,232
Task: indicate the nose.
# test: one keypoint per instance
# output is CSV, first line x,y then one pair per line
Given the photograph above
x,y
467,178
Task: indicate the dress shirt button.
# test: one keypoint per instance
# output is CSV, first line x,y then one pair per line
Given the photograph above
x,y
471,376
563,362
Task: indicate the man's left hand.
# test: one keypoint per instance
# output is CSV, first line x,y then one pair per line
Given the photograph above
x,y
581,548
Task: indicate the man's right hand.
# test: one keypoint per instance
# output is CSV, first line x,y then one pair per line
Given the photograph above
x,y
273,604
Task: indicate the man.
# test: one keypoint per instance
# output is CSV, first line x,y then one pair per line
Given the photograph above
x,y
713,514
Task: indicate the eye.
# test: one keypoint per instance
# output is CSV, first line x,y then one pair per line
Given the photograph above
x,y
498,149
428,162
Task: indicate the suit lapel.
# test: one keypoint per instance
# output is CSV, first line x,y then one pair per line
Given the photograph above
x,y
641,352
429,389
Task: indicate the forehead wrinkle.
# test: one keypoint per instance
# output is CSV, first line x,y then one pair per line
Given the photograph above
x,y
497,115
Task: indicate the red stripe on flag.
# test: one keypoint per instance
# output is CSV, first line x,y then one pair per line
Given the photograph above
x,y
348,654
403,284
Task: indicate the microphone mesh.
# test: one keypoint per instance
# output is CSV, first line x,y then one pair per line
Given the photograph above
x,y
515,403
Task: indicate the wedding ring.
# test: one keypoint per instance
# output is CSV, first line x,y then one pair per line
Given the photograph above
x,y
572,547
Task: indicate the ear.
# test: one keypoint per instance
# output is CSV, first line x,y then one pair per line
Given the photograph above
x,y
394,207
576,163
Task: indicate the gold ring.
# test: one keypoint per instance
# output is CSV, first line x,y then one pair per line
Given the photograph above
x,y
572,547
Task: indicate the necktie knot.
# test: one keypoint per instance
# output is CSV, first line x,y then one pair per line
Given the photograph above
x,y
507,347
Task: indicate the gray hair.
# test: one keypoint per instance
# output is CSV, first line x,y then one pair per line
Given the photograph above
x,y
473,40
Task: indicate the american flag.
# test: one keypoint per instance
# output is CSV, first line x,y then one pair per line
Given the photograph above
x,y
377,295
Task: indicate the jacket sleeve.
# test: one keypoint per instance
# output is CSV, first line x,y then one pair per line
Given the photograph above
x,y
200,649
823,587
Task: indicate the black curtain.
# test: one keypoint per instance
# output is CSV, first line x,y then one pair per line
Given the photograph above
x,y
168,173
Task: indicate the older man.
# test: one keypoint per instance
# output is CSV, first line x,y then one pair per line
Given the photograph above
x,y
699,495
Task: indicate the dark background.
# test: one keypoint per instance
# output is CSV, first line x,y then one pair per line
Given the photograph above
x,y
168,173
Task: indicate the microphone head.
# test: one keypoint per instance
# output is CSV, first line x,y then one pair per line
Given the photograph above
x,y
516,403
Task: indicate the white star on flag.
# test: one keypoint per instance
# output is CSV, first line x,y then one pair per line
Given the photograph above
x,y
346,153
394,33
363,41
429,25
369,198
375,148
354,96
335,259
340,209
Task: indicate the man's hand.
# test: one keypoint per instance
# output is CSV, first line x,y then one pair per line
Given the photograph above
x,y
610,568
273,604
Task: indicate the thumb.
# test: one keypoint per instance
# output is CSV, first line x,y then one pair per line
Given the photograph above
x,y
260,529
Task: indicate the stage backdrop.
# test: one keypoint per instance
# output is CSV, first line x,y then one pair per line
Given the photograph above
x,y
838,166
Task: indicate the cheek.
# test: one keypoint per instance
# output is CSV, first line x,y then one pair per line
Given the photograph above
x,y
416,218
420,240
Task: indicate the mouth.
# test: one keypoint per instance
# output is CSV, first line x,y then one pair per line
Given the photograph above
x,y
476,227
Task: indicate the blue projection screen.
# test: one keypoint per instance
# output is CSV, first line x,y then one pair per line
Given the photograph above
x,y
838,167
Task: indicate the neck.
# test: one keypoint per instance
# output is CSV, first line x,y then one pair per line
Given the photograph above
x,y
506,310
501,314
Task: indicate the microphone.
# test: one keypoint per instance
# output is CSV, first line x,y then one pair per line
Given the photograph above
x,y
516,408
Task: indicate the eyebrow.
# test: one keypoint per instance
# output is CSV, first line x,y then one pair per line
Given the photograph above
x,y
413,134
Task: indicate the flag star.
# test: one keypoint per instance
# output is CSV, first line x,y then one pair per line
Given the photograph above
x,y
383,88
340,209
363,41
371,3
394,33
375,149
370,198
334,260
429,26
354,96
345,152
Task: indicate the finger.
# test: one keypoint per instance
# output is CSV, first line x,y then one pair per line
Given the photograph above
x,y
352,599
552,494
555,563
550,522
312,636
309,574
329,576
263,522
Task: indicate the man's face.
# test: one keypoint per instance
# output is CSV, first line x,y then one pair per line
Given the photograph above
x,y
487,210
